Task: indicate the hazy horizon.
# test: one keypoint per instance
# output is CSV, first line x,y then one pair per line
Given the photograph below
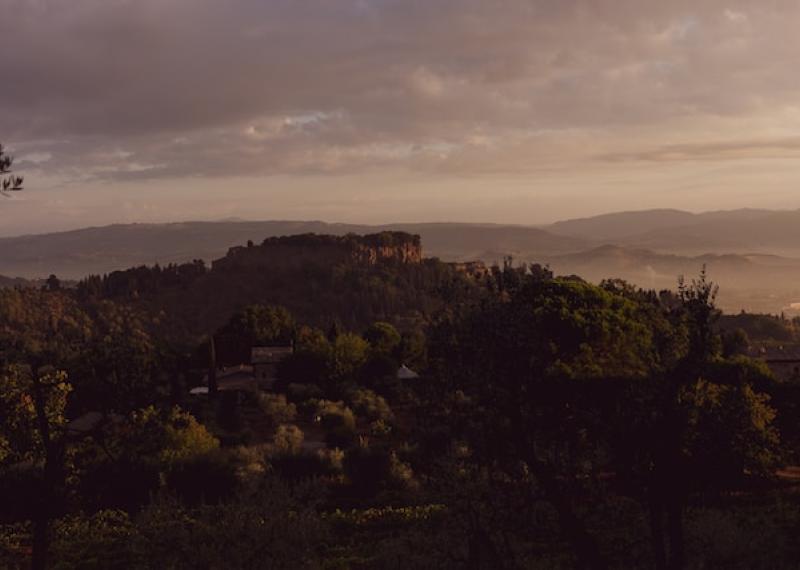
x,y
381,222
372,111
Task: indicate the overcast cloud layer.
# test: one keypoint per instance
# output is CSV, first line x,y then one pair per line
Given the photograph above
x,y
380,110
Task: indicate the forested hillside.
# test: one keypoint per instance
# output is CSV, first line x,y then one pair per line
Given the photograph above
x,y
751,253
79,253
420,416
321,279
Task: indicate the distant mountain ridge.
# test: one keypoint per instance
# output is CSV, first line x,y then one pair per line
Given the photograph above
x,y
754,254
763,232
9,282
99,250
620,225
733,231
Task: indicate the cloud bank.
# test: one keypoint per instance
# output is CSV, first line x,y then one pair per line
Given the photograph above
x,y
119,91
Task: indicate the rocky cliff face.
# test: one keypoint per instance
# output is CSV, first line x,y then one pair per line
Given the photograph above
x,y
408,252
313,249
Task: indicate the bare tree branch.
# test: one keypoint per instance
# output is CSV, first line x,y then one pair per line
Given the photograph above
x,y
8,182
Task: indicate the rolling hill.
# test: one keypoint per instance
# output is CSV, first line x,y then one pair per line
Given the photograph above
x,y
99,250
766,233
753,254
674,231
621,225
755,283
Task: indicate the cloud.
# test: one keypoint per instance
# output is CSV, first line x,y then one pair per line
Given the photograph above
x,y
788,147
735,16
121,89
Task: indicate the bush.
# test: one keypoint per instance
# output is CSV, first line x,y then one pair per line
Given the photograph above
x,y
341,437
296,467
208,479
93,543
367,469
349,354
20,489
267,529
367,403
127,484
379,428
339,423
277,409
334,458
288,439
186,438
333,415
379,370
383,338
161,436
250,463
303,392
372,469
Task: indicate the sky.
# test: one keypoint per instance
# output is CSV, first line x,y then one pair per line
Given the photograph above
x,y
375,111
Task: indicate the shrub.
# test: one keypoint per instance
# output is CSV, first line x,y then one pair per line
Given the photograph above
x,y
383,338
339,423
288,439
379,428
270,528
367,469
277,409
296,467
334,458
93,543
127,484
340,437
335,415
20,487
379,370
207,479
367,403
303,392
349,354
372,469
250,462
186,438
161,436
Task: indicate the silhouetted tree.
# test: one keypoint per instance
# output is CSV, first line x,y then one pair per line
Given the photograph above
x,y
383,338
698,422
520,375
255,325
8,181
33,437
53,283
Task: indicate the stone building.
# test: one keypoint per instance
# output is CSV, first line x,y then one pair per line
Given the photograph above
x,y
264,360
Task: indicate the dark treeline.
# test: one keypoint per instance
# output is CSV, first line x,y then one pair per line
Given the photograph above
x,y
141,280
298,272
425,418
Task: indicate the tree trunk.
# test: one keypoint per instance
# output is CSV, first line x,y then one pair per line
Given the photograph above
x,y
587,552
212,368
41,518
41,541
656,512
677,548
482,554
